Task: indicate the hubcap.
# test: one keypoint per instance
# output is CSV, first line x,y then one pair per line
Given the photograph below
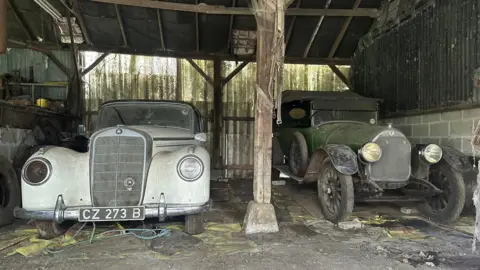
x,y
439,202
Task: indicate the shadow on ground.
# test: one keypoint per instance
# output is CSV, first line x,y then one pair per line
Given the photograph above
x,y
387,240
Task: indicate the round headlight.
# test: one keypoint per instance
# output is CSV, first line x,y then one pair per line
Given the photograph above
x,y
371,152
432,153
190,168
36,171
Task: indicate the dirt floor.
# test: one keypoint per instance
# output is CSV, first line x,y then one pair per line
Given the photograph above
x,y
388,240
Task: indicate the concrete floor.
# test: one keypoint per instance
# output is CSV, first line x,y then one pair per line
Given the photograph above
x,y
305,241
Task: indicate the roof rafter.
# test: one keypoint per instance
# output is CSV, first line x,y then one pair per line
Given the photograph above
x,y
290,28
223,10
197,30
28,30
120,24
315,31
230,28
81,21
343,31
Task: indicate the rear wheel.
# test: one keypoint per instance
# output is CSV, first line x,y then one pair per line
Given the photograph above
x,y
9,191
335,193
194,224
298,155
445,207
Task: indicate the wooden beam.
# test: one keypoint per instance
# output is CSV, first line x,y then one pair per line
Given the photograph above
x,y
201,72
315,31
74,52
94,64
81,21
3,26
197,30
270,60
340,35
21,20
160,29
223,10
217,110
235,72
120,24
340,75
290,28
230,29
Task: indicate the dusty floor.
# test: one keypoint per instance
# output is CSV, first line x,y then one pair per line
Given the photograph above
x,y
305,241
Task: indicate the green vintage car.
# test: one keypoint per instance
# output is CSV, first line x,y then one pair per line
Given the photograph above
x,y
333,139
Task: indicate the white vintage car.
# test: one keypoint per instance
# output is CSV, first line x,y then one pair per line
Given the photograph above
x,y
145,160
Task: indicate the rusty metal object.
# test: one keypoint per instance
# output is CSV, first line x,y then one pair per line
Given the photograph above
x,y
3,26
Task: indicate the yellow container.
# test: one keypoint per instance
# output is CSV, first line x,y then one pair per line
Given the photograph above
x,y
42,102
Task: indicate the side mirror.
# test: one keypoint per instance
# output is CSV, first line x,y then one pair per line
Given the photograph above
x,y
202,137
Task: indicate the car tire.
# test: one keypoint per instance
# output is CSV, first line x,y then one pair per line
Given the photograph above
x,y
275,174
335,193
444,208
298,155
194,224
277,154
49,229
9,191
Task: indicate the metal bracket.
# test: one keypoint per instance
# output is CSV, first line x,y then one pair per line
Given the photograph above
x,y
432,188
162,208
59,209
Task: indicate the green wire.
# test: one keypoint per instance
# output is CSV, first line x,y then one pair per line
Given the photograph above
x,y
154,233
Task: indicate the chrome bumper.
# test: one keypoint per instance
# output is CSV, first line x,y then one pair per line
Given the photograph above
x,y
160,211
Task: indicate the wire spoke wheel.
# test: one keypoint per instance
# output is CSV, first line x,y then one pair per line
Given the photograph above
x,y
335,193
439,202
446,206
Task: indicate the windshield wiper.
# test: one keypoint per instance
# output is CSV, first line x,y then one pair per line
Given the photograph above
x,y
119,116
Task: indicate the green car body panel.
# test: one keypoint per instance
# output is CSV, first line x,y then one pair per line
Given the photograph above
x,y
352,134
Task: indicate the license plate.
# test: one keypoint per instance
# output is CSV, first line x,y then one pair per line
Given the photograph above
x,y
112,213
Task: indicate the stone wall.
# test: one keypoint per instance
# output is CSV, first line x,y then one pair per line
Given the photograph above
x,y
453,129
10,139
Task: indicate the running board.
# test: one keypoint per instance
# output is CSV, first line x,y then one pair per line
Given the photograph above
x,y
285,170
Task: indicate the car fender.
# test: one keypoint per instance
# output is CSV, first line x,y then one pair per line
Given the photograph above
x,y
456,159
343,159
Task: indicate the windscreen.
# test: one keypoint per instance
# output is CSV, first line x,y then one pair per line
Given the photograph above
x,y
158,114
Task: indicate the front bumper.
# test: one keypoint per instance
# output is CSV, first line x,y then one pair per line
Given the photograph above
x,y
160,211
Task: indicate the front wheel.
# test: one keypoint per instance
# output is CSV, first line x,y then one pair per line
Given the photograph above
x,y
335,193
447,206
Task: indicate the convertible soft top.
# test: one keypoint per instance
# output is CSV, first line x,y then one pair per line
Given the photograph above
x,y
292,95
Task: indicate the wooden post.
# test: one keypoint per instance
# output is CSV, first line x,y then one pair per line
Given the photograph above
x,y
217,110
3,26
270,16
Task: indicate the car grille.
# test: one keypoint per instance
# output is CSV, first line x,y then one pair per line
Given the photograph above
x,y
114,159
394,165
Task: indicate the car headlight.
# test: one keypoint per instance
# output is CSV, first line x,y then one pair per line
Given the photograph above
x,y
190,168
371,152
36,171
432,153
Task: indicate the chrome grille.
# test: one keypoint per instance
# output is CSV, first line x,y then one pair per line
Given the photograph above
x,y
394,165
114,159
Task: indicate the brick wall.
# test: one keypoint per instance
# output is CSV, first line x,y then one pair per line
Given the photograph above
x,y
10,139
453,129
